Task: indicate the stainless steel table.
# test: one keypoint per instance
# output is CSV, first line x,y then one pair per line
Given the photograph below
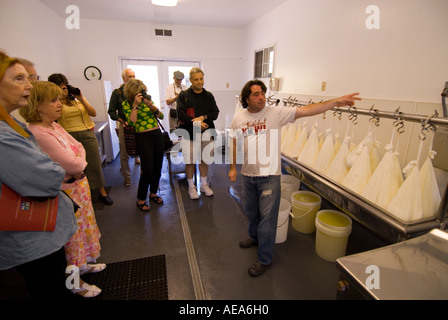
x,y
414,269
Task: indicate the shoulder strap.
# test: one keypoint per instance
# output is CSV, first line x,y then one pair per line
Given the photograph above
x,y
160,124
7,117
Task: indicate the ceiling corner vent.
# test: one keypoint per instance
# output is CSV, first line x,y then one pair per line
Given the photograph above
x,y
163,33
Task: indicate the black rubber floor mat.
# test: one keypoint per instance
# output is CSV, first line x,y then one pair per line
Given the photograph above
x,y
97,204
139,279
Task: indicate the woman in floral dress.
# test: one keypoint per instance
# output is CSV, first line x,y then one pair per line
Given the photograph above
x,y
43,109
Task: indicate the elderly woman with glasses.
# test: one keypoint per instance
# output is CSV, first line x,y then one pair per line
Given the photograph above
x,y
35,258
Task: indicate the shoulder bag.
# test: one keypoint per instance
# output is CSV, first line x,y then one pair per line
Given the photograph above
x,y
167,143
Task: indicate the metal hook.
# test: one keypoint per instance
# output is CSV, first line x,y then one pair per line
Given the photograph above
x,y
397,116
353,116
431,126
398,122
427,125
400,126
375,119
337,113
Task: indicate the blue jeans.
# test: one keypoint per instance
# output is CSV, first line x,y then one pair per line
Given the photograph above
x,y
261,202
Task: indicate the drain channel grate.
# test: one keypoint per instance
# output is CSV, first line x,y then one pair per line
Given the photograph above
x,y
139,279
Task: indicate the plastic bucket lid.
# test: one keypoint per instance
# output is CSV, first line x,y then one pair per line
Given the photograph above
x,y
334,223
305,199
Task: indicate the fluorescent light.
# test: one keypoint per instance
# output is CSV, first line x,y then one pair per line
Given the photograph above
x,y
165,3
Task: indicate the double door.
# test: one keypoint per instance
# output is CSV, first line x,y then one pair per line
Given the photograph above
x,y
157,75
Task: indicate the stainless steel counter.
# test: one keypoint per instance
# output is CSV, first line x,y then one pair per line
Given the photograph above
x,y
376,219
414,269
100,127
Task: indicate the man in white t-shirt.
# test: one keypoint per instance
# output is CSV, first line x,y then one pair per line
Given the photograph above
x,y
256,129
171,93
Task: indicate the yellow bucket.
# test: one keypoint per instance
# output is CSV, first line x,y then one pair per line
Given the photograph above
x,y
305,205
333,229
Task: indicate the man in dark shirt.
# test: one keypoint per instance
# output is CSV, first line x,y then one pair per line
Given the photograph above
x,y
196,107
116,113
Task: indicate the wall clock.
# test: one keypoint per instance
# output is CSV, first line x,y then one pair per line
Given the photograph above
x,y
92,73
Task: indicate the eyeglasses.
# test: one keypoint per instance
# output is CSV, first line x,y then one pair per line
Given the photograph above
x,y
33,77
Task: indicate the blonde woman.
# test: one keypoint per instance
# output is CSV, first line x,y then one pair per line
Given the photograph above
x,y
142,114
43,109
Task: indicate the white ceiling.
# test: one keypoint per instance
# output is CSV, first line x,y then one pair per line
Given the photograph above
x,y
211,13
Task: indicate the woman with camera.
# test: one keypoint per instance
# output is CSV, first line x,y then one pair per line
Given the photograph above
x,y
75,119
142,114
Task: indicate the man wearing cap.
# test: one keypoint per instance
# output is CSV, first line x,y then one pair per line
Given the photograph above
x,y
171,93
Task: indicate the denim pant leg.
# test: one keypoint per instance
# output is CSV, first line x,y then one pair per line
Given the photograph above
x,y
261,201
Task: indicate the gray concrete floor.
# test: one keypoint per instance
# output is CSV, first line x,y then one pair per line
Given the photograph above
x,y
203,258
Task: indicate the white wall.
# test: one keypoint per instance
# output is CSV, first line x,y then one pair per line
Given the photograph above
x,y
327,40
33,31
39,34
403,64
102,43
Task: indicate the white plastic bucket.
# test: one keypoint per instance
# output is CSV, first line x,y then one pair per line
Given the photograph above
x,y
289,184
282,221
333,229
305,205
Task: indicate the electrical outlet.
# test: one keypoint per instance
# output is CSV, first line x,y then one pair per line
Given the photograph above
x,y
324,86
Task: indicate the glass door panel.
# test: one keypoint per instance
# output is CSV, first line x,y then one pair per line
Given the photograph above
x,y
157,75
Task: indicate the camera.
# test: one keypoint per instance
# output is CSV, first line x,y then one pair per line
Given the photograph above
x,y
73,91
145,95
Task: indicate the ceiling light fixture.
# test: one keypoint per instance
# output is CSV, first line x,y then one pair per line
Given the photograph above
x,y
165,3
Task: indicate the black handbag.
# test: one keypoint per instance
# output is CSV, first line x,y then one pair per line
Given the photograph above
x,y
167,143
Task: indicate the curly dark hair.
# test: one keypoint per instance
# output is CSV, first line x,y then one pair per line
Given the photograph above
x,y
247,90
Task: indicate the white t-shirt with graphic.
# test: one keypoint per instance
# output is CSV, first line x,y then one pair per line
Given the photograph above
x,y
261,134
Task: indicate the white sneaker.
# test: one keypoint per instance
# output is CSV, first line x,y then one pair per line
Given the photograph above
x,y
205,188
193,193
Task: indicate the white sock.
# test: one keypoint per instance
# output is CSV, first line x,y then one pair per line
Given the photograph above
x,y
190,183
203,180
